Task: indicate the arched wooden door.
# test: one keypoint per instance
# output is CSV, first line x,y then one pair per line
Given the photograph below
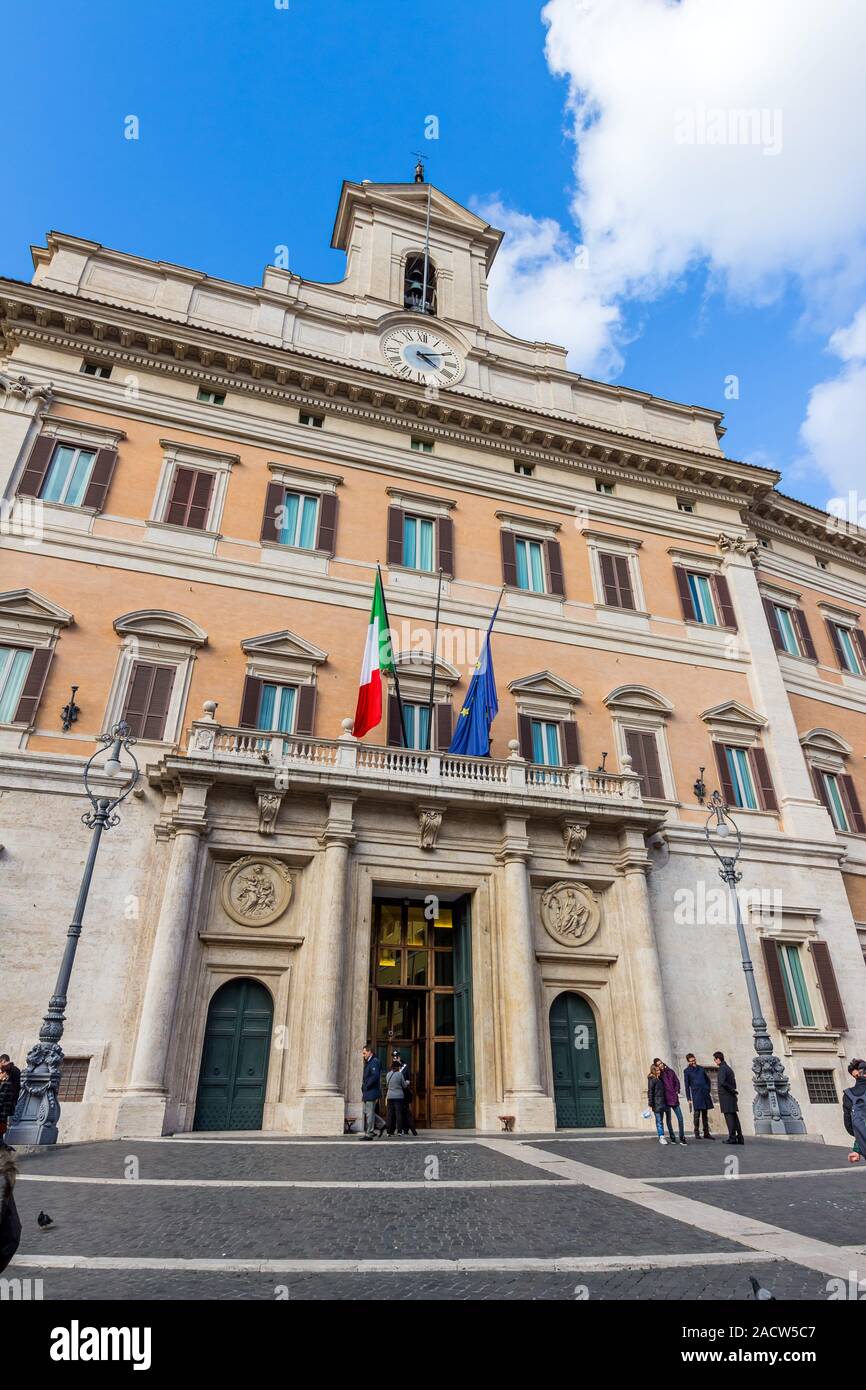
x,y
234,1063
576,1066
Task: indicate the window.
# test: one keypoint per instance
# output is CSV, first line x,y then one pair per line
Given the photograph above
x,y
422,446
822,564
838,793
209,397
145,708
642,747
96,369
530,565
850,647
417,724
545,743
418,549
794,985
786,627
616,580
745,777
414,285
277,707
606,488
296,519
14,665
835,802
314,422
821,1087
68,475
740,773
685,506
702,599
526,470
789,629
764,543
189,499
73,1078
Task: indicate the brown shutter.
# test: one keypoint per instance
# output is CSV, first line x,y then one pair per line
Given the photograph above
x,y
100,478
147,698
37,466
250,702
635,750
445,537
852,804
275,498
723,601
608,579
444,725
805,636
571,743
643,747
725,782
157,709
524,736
554,568
821,790
763,780
860,643
773,624
623,576
509,558
828,986
327,522
200,501
395,727
34,684
395,536
306,709
773,967
837,645
682,577
181,488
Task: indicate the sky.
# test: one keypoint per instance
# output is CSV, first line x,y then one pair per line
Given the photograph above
x,y
681,182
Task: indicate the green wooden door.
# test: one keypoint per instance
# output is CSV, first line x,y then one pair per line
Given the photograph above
x,y
576,1067
464,1109
234,1064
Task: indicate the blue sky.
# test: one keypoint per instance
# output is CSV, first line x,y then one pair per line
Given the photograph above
x,y
250,115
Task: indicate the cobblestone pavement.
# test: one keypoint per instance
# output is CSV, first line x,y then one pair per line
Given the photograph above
x,y
522,1213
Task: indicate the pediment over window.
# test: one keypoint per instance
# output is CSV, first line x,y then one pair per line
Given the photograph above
x,y
286,646
414,670
159,625
638,699
26,607
732,714
545,683
827,742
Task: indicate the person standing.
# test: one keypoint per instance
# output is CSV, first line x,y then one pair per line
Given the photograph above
x,y
371,1090
727,1084
698,1095
671,1084
395,1089
10,1087
408,1117
655,1096
854,1109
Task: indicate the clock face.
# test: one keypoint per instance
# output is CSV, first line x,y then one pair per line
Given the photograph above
x,y
418,354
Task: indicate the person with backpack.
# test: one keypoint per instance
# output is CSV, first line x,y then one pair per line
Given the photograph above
x,y
854,1109
395,1091
408,1126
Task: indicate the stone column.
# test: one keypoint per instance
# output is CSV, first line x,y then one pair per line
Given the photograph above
x,y
323,1103
643,955
142,1109
525,1097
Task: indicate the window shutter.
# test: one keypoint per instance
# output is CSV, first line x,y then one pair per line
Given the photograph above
x,y
147,699
395,536
860,642
828,985
724,775
643,747
250,702
395,728
763,780
274,500
570,743
34,684
837,645
524,736
554,568
773,967
509,558
805,636
157,709
852,804
445,536
37,466
444,725
635,750
622,570
608,579
181,487
685,593
723,599
200,502
327,522
821,790
100,478
306,709
773,624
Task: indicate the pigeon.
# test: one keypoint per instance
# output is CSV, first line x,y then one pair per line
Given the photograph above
x,y
44,1220
760,1294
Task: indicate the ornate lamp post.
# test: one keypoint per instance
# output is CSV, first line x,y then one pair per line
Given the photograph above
x,y
775,1109
38,1109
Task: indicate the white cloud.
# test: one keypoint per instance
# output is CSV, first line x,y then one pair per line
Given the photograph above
x,y
835,424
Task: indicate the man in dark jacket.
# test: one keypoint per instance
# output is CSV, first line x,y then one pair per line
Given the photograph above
x,y
371,1090
854,1109
698,1094
727,1084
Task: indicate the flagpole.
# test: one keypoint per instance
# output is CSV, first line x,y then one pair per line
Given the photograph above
x,y
433,664
396,677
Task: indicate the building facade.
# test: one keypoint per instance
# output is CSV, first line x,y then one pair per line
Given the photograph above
x,y
199,479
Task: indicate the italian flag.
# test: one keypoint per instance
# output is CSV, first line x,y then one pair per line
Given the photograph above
x,y
378,657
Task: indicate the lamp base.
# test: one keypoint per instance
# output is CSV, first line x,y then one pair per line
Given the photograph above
x,y
38,1110
774,1109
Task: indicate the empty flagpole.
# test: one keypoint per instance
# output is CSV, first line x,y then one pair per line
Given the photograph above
x,y
433,664
396,677
426,250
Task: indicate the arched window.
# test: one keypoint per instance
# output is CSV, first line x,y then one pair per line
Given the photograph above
x,y
413,285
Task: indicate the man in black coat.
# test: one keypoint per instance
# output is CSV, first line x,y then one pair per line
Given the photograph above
x,y
698,1094
727,1084
371,1090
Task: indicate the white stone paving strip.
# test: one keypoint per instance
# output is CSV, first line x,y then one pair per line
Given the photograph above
x,y
743,1177
773,1241
298,1182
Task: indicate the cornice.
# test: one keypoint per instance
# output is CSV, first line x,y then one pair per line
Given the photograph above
x,y
776,515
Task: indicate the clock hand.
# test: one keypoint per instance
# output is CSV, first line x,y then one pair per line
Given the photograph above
x,y
425,357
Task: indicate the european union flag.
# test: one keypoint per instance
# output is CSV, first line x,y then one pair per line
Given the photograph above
x,y
472,734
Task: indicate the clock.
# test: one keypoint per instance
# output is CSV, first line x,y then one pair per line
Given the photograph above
x,y
418,354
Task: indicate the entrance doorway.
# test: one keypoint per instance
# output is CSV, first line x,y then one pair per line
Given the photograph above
x,y
576,1067
421,1003
234,1062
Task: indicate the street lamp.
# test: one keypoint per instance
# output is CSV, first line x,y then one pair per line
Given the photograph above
x,y
38,1109
775,1109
